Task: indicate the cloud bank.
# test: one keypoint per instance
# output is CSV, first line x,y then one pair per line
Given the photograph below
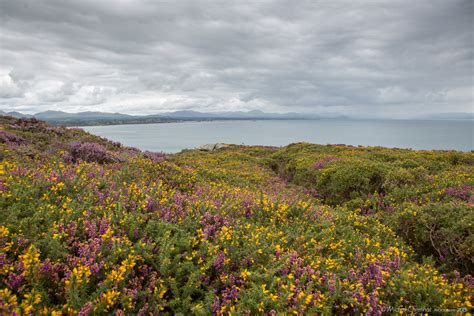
x,y
358,58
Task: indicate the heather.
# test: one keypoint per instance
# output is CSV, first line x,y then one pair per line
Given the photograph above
x,y
426,197
92,227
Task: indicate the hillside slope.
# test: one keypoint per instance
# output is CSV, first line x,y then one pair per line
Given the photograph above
x,y
91,227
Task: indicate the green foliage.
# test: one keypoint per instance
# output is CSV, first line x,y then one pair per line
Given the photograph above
x,y
388,183
347,180
303,229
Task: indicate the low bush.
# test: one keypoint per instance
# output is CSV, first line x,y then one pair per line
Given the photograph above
x,y
90,152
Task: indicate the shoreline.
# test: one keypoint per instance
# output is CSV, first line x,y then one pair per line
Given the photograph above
x,y
270,119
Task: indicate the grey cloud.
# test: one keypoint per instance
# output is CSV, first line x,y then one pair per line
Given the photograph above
x,y
8,87
365,58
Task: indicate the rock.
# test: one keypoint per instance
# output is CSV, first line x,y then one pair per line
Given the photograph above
x,y
207,147
212,147
220,145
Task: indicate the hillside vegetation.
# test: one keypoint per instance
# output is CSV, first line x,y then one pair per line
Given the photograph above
x,y
90,227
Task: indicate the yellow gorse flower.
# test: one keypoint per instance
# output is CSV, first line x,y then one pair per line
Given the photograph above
x,y
30,259
4,232
79,274
30,300
108,298
128,264
245,274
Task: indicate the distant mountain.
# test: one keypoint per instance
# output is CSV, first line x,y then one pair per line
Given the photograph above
x,y
87,118
15,114
188,114
59,115
255,114
103,118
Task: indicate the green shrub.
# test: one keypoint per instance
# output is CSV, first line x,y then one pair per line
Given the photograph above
x,y
343,181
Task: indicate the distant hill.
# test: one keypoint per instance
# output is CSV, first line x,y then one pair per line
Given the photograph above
x,y
255,114
59,116
89,118
104,118
15,114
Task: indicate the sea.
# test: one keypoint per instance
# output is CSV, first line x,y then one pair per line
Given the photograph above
x,y
414,134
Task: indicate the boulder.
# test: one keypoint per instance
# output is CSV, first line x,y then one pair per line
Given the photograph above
x,y
212,147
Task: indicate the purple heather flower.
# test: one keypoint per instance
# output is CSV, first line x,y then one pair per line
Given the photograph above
x,y
86,309
321,163
154,156
9,138
219,261
332,288
143,310
15,280
91,152
150,204
464,192
216,305
212,223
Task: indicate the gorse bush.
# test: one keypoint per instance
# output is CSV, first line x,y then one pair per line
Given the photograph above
x,y
105,229
433,189
321,163
444,229
347,180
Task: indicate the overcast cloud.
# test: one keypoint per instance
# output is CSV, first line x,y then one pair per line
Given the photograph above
x,y
363,58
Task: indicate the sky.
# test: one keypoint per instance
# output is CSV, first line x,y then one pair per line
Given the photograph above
x,y
367,58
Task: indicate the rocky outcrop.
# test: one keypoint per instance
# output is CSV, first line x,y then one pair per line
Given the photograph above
x,y
212,147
